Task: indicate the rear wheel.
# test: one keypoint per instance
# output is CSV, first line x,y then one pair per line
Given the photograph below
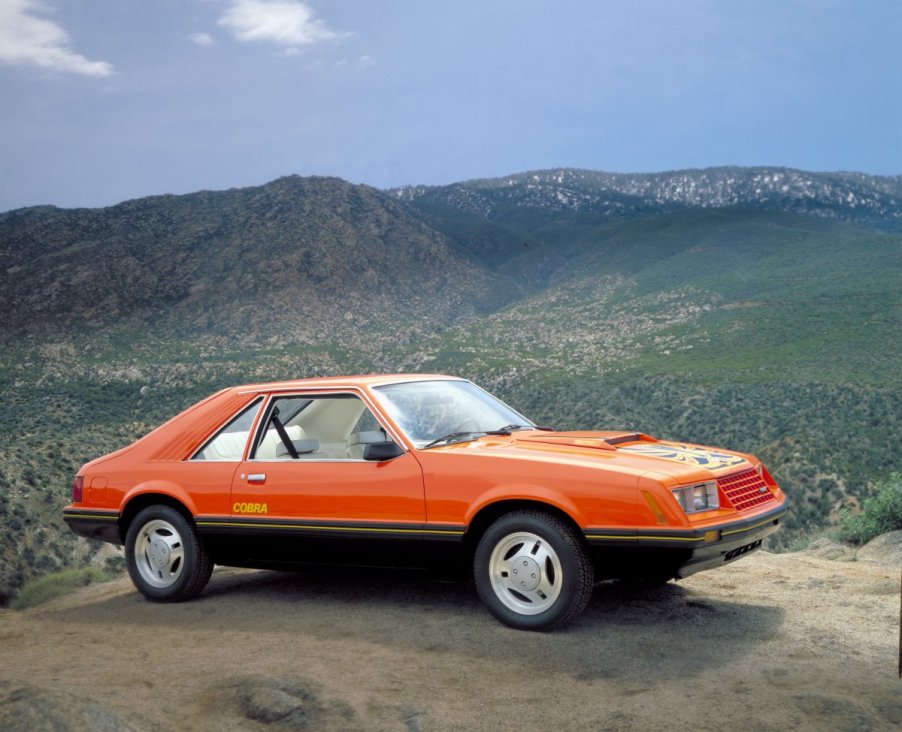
x,y
532,571
166,559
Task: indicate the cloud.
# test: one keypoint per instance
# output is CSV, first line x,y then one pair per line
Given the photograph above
x,y
284,22
29,40
201,39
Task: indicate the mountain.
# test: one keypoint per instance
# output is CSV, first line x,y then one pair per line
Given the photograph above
x,y
710,306
856,197
315,257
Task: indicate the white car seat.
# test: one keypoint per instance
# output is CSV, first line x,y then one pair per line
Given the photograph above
x,y
357,441
268,449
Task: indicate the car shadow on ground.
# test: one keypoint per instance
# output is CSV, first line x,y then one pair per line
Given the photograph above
x,y
627,633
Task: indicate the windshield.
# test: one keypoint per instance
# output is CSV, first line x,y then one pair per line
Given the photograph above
x,y
428,410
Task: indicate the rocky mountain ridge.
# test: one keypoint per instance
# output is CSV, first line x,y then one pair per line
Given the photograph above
x,y
314,257
841,195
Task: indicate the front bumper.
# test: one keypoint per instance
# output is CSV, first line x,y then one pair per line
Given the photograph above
x,y
694,550
735,542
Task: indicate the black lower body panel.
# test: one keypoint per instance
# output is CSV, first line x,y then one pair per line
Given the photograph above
x,y
677,553
94,524
286,552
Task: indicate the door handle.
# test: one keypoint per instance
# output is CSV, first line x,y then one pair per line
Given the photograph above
x,y
256,478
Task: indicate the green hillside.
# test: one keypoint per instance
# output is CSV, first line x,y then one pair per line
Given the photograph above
x,y
769,332
715,294
772,332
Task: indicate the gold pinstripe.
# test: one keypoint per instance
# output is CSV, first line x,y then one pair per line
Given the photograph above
x,y
682,538
753,526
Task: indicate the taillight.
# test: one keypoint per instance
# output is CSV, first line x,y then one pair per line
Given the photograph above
x,y
78,489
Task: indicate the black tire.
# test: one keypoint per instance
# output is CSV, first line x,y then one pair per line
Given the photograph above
x,y
166,559
557,575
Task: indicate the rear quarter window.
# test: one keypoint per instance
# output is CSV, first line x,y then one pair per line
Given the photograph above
x,y
230,441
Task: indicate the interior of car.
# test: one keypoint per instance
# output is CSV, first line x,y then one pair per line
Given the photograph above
x,y
310,427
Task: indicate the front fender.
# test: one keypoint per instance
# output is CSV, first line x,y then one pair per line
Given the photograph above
x,y
525,492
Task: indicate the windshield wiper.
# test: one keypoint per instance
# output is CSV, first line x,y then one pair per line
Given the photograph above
x,y
508,428
452,436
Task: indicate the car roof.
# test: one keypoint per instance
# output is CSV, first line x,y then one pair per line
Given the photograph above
x,y
343,382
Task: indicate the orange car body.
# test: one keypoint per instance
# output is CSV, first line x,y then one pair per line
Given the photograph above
x,y
615,488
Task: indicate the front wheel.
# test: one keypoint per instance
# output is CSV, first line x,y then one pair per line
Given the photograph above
x,y
532,571
166,559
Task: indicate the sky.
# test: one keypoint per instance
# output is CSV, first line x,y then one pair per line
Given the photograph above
x,y
107,100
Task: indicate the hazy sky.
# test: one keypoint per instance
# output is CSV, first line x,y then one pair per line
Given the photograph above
x,y
105,100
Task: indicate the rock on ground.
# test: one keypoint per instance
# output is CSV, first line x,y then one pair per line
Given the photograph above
x,y
290,703
33,709
829,549
885,549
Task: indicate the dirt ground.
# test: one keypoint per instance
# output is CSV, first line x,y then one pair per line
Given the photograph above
x,y
770,642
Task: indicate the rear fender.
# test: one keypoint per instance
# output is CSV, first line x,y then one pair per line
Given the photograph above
x,y
163,488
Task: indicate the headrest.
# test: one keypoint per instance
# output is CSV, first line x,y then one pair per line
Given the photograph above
x,y
366,437
302,447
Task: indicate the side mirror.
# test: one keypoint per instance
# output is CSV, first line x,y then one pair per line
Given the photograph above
x,y
381,451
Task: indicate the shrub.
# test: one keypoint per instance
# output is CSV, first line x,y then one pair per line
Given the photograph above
x,y
881,513
46,588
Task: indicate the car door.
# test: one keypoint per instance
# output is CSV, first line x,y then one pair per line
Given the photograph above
x,y
305,472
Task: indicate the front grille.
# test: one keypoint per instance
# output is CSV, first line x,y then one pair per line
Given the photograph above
x,y
744,489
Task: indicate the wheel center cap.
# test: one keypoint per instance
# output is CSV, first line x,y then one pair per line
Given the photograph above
x,y
159,553
525,573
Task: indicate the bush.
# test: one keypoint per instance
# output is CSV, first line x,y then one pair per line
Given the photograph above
x,y
50,586
881,513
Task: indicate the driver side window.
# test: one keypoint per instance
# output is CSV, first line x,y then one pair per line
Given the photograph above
x,y
317,427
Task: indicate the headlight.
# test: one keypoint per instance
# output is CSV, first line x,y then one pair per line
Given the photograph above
x,y
701,497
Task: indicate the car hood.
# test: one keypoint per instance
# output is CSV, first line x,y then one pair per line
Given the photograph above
x,y
622,451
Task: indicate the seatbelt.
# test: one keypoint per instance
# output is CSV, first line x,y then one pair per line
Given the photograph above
x,y
280,428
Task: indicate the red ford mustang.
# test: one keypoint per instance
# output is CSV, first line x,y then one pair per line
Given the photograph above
x,y
412,469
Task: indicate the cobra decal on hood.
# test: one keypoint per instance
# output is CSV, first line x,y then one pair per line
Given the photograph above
x,y
686,454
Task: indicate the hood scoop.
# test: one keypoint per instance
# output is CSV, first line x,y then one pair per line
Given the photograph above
x,y
598,441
